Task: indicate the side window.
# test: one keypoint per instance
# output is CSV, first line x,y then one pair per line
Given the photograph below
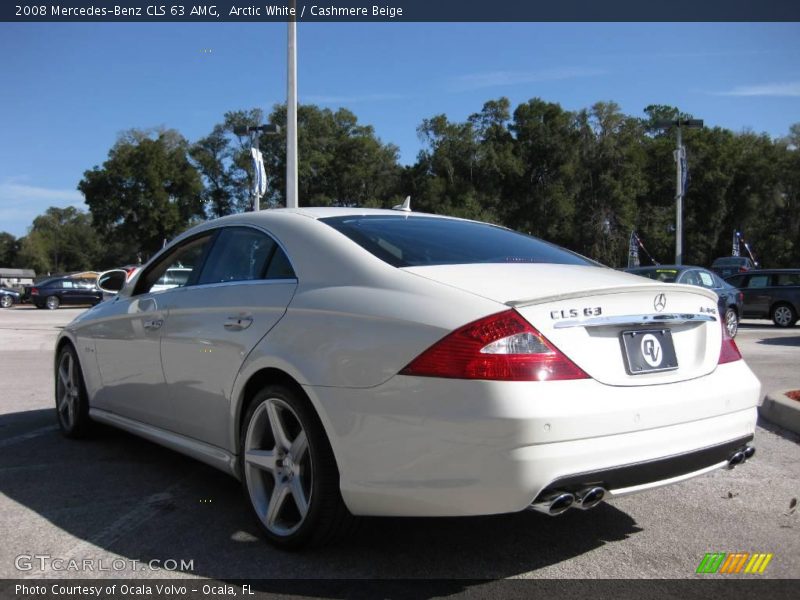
x,y
177,269
279,266
690,278
758,281
788,279
707,279
239,254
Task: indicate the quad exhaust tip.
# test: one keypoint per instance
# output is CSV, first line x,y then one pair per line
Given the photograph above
x,y
590,497
555,503
558,502
741,455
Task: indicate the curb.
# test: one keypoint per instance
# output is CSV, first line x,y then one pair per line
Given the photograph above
x,y
781,410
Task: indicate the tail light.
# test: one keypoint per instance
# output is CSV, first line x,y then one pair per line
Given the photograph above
x,y
741,296
502,347
34,292
729,351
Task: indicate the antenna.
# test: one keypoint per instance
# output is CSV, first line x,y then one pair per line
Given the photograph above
x,y
405,206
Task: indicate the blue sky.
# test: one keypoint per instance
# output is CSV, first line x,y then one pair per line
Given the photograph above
x,y
69,89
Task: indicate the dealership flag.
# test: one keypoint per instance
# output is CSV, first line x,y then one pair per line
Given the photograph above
x,y
735,251
260,174
633,250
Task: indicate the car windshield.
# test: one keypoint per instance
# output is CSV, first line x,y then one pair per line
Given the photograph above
x,y
424,241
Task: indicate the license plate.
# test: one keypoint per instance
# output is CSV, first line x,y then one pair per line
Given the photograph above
x,y
648,351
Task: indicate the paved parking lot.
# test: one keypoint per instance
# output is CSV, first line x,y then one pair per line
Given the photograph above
x,y
121,502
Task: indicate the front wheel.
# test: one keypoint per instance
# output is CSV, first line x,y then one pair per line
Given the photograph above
x,y
731,322
783,315
289,473
72,402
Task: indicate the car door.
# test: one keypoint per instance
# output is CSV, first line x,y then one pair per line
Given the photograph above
x,y
757,296
243,290
128,342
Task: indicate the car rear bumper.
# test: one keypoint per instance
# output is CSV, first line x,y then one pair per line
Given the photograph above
x,y
418,446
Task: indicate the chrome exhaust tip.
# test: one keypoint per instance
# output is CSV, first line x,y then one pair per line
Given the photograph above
x,y
589,498
554,504
749,452
736,458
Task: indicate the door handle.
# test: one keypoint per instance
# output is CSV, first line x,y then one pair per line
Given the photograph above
x,y
153,324
238,323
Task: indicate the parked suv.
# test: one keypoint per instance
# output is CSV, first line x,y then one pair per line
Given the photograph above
x,y
770,293
52,293
731,265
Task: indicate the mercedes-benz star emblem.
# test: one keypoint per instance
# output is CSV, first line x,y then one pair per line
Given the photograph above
x,y
660,303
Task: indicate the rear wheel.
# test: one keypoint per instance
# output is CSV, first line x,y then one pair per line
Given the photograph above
x,y
288,471
72,402
731,322
783,315
6,301
52,302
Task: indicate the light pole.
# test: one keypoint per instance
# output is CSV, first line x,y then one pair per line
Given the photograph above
x,y
680,157
291,109
253,132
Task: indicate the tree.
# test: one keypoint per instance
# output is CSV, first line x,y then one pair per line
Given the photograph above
x,y
146,192
9,248
341,162
61,240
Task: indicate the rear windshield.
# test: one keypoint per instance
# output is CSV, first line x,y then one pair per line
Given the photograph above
x,y
424,241
731,261
666,275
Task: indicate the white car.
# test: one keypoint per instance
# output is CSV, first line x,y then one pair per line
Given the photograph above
x,y
347,362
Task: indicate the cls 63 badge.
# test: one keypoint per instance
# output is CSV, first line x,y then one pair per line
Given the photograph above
x,y
574,313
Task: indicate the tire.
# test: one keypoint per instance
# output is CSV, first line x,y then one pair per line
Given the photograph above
x,y
52,302
289,473
783,315
6,301
731,322
72,402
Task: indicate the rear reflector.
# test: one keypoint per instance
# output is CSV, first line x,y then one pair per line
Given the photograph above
x,y
729,351
500,347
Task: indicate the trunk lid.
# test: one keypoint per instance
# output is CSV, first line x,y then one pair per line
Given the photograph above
x,y
619,328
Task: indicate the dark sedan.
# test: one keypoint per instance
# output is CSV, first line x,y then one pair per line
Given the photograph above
x,y
8,297
52,293
730,299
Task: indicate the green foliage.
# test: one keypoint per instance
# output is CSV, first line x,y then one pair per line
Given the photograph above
x,y
60,241
146,192
583,179
9,248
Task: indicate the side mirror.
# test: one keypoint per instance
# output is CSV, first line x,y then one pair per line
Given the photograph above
x,y
112,281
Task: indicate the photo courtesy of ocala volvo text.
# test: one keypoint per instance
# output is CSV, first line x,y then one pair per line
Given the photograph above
x,y
347,362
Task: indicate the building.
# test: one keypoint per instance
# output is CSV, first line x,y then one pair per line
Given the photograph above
x,y
16,277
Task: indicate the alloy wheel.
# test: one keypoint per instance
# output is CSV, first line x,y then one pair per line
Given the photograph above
x,y
6,301
67,391
278,469
783,316
52,302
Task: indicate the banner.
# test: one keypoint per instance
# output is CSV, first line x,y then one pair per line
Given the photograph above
x,y
259,173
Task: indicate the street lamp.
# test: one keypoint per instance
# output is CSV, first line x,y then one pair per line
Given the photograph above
x,y
253,131
680,157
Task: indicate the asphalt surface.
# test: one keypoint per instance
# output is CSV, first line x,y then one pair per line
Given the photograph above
x,y
117,499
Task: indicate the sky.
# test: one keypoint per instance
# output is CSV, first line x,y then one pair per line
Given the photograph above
x,y
67,90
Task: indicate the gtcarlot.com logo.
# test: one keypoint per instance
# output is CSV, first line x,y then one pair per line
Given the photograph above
x,y
733,563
